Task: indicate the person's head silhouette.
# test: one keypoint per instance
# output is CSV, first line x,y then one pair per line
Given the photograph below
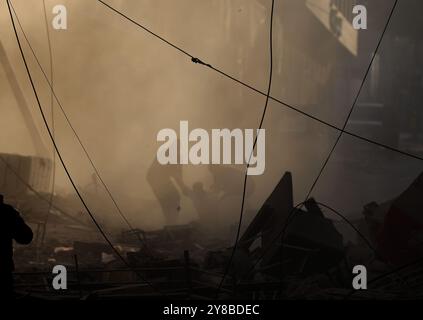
x,y
1,199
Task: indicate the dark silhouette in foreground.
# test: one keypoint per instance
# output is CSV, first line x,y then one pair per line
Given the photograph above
x,y
12,227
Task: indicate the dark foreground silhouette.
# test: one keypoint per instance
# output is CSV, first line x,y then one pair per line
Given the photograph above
x,y
12,227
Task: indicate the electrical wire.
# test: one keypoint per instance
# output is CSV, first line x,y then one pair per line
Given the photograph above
x,y
201,62
291,214
363,81
269,88
117,253
53,182
97,173
196,60
341,130
289,106
357,96
39,195
265,250
295,209
332,150
368,243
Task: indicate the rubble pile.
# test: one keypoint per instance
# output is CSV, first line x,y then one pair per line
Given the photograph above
x,y
287,251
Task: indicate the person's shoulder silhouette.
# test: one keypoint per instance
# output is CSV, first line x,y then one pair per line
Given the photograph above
x,y
13,224
12,227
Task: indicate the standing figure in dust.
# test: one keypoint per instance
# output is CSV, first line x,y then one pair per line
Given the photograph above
x,y
12,227
164,180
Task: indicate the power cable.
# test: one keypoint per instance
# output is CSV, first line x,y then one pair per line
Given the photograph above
x,y
291,215
72,127
363,81
295,209
226,75
368,243
38,194
117,253
288,220
342,131
53,182
252,151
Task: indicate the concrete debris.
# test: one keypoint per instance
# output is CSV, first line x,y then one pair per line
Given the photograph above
x,y
286,251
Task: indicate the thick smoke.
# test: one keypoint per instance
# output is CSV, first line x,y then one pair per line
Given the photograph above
x,y
120,85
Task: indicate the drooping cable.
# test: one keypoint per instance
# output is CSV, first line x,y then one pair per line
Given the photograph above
x,y
35,192
269,88
106,238
53,131
357,96
295,209
96,171
291,215
363,81
279,101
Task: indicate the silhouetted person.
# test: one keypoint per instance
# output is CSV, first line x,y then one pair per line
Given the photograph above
x,y
12,227
163,179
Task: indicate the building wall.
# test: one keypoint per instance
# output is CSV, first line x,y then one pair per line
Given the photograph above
x,y
16,171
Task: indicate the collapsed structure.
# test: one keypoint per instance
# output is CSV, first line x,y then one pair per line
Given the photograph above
x,y
286,251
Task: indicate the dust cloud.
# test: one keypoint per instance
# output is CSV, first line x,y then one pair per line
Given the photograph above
x,y
120,85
